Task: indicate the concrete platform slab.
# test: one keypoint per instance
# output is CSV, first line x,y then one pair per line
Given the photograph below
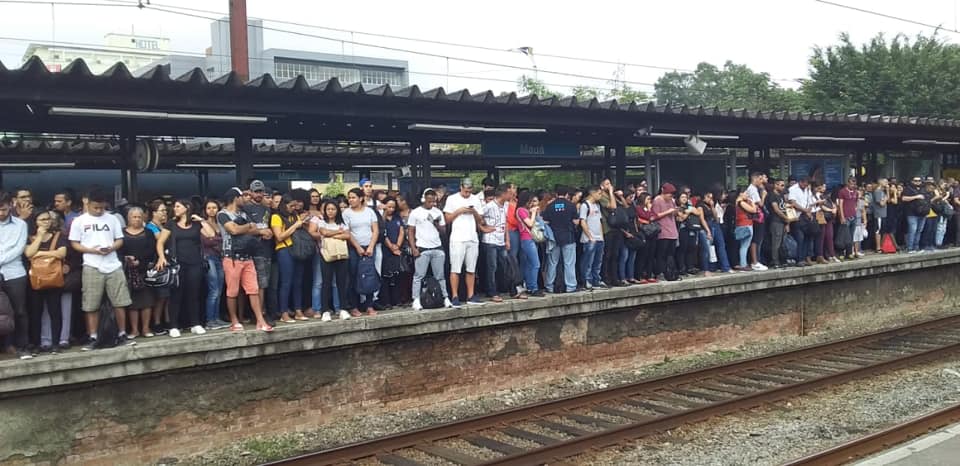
x,y
940,448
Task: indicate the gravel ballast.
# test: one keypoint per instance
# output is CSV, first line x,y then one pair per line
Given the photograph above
x,y
348,430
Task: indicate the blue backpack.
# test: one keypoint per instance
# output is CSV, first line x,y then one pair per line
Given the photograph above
x,y
368,280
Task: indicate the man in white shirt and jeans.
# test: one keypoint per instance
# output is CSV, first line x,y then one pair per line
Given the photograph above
x,y
800,196
424,225
497,242
462,212
98,236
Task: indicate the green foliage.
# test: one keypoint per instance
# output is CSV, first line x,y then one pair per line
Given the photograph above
x,y
528,85
894,76
335,187
619,90
733,86
546,179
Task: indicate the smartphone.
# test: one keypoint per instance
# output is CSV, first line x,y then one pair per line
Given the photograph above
x,y
104,249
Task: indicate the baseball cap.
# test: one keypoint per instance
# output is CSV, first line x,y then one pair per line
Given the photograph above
x,y
257,185
466,183
232,194
364,181
668,188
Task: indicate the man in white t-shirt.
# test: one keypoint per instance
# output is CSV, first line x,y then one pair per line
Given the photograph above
x,y
98,235
424,226
462,212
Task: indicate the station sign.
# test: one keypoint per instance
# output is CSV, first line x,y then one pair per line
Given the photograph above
x,y
530,149
827,170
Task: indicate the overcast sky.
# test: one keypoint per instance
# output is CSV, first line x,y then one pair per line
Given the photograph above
x,y
772,36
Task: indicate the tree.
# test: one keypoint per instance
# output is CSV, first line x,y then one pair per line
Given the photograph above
x,y
335,186
733,86
898,76
528,85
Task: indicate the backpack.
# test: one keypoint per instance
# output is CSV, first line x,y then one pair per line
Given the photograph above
x,y
508,273
670,272
789,247
303,247
6,313
842,239
431,296
887,246
617,218
368,280
108,332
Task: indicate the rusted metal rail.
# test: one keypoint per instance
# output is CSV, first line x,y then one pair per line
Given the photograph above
x,y
879,441
549,432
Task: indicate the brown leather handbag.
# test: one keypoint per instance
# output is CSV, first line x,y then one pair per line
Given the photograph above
x,y
46,273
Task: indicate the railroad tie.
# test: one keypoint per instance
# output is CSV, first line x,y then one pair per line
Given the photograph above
x,y
621,413
491,444
396,460
699,394
591,421
725,389
529,436
556,426
449,454
650,406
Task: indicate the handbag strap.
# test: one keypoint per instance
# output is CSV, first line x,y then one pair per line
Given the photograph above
x,y
53,241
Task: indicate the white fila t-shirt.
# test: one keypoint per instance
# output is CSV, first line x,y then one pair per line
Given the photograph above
x,y
98,232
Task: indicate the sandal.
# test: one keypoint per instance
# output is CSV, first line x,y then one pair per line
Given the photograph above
x,y
265,328
236,328
497,299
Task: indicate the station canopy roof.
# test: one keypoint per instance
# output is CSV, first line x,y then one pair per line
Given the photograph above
x,y
75,101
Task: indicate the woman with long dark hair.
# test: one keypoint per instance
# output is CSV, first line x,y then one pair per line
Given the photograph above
x,y
158,215
47,241
182,239
364,233
392,250
646,255
330,226
284,224
213,254
528,209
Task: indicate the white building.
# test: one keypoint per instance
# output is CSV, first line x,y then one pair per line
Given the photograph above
x,y
133,50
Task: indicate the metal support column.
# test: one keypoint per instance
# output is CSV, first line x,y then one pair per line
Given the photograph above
x,y
128,169
607,159
425,157
751,161
858,165
732,170
243,151
494,174
621,162
648,170
203,179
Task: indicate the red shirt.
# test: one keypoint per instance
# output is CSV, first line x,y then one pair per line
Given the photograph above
x,y
743,217
850,197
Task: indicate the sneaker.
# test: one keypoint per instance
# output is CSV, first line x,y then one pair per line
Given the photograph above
x,y
588,287
538,294
758,267
91,345
455,302
416,305
326,316
24,354
474,300
64,345
174,333
344,315
217,324
124,340
860,254
446,303
150,334
602,285
378,306
197,330
835,259
912,251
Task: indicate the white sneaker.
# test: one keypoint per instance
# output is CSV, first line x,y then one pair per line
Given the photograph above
x,y
758,267
197,330
344,315
447,303
326,316
174,333
416,305
860,254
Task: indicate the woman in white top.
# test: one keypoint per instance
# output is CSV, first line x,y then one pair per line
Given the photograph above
x,y
364,233
330,227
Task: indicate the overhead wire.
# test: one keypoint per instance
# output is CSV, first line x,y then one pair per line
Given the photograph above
x,y
888,16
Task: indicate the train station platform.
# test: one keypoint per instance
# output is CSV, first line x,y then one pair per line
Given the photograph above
x,y
167,397
940,448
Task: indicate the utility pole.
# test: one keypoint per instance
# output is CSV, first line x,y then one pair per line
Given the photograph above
x,y
239,53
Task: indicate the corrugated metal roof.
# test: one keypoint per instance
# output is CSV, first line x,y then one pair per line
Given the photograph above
x,y
79,73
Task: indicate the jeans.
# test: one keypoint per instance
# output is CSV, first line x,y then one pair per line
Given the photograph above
x,y
626,263
720,244
433,259
569,254
316,294
776,240
941,231
914,230
531,263
928,238
215,280
591,262
514,243
492,253
744,235
705,246
291,281
37,301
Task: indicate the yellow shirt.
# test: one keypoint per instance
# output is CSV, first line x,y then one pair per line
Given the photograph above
x,y
276,221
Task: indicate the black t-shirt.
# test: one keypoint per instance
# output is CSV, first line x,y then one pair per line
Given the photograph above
x,y
142,246
261,215
774,199
560,214
708,213
185,243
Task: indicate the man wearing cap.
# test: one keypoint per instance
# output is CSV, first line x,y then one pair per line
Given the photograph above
x,y
462,213
240,242
259,215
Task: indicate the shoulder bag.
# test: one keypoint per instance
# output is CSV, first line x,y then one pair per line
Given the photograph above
x,y
333,249
46,272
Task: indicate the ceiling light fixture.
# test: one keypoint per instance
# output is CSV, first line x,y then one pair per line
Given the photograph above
x,y
150,115
826,139
471,129
701,136
931,142
37,164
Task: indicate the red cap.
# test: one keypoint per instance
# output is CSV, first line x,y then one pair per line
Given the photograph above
x,y
668,188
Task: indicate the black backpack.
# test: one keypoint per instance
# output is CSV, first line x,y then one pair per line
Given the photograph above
x,y
304,247
508,274
6,313
108,332
368,280
670,272
431,296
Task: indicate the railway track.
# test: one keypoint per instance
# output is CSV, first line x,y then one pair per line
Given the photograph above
x,y
879,441
552,431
